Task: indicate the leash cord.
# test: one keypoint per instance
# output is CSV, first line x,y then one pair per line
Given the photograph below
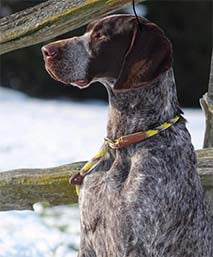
x,y
136,16
77,179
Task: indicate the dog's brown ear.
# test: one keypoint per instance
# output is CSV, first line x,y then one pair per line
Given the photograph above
x,y
149,54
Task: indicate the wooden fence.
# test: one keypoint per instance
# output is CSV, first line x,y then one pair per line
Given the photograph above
x,y
20,189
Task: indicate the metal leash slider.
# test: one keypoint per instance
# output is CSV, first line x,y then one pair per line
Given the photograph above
x,y
112,144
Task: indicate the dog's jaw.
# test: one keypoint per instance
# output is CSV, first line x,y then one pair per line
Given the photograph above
x,y
81,83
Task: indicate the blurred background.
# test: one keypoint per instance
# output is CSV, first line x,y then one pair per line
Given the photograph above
x,y
188,24
44,123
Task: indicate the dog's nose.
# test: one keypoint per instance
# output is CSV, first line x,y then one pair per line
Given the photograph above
x,y
49,51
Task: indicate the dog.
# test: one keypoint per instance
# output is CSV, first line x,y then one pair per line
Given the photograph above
x,y
144,199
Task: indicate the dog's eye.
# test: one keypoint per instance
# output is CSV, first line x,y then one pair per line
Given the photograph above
x,y
100,36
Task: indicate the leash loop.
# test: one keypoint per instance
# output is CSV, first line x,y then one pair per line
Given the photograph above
x,y
76,179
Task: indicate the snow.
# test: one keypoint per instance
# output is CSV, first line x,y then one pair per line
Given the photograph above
x,y
44,133
25,234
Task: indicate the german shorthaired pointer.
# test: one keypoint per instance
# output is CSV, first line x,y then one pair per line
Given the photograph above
x,y
145,199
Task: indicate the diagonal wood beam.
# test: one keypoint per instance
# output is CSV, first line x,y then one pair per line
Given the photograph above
x,y
50,19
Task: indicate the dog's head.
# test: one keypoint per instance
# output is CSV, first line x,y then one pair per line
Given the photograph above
x,y
112,48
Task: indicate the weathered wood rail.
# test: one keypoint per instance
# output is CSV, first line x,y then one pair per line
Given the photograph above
x,y
20,189
50,19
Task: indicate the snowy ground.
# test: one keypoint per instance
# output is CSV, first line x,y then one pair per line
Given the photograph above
x,y
44,133
38,133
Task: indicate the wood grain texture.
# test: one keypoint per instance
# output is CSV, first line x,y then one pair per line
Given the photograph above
x,y
20,189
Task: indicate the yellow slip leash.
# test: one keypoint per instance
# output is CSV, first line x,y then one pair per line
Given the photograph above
x,y
121,142
77,179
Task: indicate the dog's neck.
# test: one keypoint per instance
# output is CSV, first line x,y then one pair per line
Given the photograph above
x,y
142,108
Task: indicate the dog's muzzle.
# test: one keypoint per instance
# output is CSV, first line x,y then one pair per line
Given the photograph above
x,y
67,61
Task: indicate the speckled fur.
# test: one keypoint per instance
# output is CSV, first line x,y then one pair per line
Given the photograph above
x,y
145,200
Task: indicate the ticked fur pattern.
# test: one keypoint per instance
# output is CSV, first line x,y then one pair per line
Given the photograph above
x,y
145,200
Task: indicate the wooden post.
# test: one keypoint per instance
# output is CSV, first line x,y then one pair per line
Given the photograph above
x,y
207,106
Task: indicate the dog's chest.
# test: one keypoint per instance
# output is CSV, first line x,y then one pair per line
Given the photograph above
x,y
95,200
104,218
102,208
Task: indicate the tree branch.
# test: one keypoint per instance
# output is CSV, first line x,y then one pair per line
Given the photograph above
x,y
20,189
50,19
